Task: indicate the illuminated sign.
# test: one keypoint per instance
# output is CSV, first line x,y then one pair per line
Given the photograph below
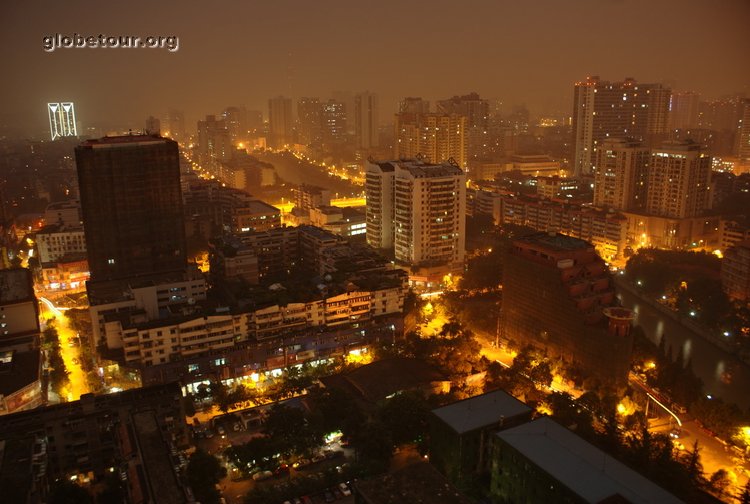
x,y
62,120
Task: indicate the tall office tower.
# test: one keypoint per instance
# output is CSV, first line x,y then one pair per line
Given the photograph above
x,y
434,137
333,122
414,106
620,178
214,142
62,120
176,125
347,98
418,208
559,296
235,119
625,109
280,122
131,204
683,110
679,179
743,135
309,111
153,126
366,120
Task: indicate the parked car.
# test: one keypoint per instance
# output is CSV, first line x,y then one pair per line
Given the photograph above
x,y
345,489
262,475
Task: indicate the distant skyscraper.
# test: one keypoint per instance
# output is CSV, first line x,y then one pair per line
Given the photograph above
x,y
309,112
625,109
214,142
153,126
62,120
620,178
477,113
679,178
235,119
131,204
419,209
683,110
366,119
414,106
434,137
333,122
347,98
280,123
177,125
743,148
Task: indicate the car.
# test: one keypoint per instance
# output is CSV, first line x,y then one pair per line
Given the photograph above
x,y
674,433
328,496
345,489
262,475
303,462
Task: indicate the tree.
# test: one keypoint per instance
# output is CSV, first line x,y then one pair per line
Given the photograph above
x,y
405,416
290,429
541,374
745,496
693,465
67,492
720,482
373,446
203,473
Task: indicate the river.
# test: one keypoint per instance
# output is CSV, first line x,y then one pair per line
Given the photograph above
x,y
709,362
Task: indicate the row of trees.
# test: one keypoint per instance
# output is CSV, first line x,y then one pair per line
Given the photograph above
x,y
58,373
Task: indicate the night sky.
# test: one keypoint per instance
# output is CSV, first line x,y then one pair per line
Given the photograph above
x,y
242,53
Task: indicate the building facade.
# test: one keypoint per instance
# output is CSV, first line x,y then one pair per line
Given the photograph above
x,y
366,120
280,122
679,181
735,272
620,181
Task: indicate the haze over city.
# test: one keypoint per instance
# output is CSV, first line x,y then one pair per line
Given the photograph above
x,y
244,52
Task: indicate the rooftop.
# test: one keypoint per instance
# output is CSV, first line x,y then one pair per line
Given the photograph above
x,y
421,169
480,411
15,285
258,206
21,370
124,141
555,241
415,483
580,466
155,454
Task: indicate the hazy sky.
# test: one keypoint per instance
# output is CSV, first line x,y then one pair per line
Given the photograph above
x,y
243,52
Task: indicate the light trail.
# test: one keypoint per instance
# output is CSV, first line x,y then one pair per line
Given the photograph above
x,y
679,422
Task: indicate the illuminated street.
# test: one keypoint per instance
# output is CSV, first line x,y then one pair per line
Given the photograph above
x,y
69,349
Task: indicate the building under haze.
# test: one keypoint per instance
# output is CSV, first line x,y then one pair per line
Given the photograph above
x,y
309,129
418,209
558,295
366,120
743,141
131,204
62,120
621,175
436,138
679,181
333,118
214,142
683,110
603,109
176,121
280,122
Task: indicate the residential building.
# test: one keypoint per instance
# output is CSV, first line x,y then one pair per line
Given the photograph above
x,y
558,295
603,109
366,120
679,181
214,142
620,180
176,119
153,126
309,112
541,461
69,273
735,272
414,106
307,197
135,432
65,213
683,110
280,122
333,122
461,433
235,120
743,133
428,220
53,242
436,138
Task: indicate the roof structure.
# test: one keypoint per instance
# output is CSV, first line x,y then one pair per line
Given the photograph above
x,y
480,411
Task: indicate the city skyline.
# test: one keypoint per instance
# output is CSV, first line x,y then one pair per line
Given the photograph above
x,y
515,53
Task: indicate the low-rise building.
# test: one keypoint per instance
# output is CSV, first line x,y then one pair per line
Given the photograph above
x,y
541,461
461,432
53,242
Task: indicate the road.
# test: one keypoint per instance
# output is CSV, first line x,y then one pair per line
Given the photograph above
x,y
69,349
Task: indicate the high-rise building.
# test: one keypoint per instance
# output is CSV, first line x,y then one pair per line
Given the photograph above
x,y
280,122
679,179
558,295
153,126
333,122
62,120
309,116
131,204
176,125
214,142
603,109
683,110
475,109
235,119
743,147
735,272
435,137
366,120
414,106
419,209
620,178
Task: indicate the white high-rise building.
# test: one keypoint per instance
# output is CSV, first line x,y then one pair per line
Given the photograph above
x,y
62,120
679,180
366,120
620,178
419,209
